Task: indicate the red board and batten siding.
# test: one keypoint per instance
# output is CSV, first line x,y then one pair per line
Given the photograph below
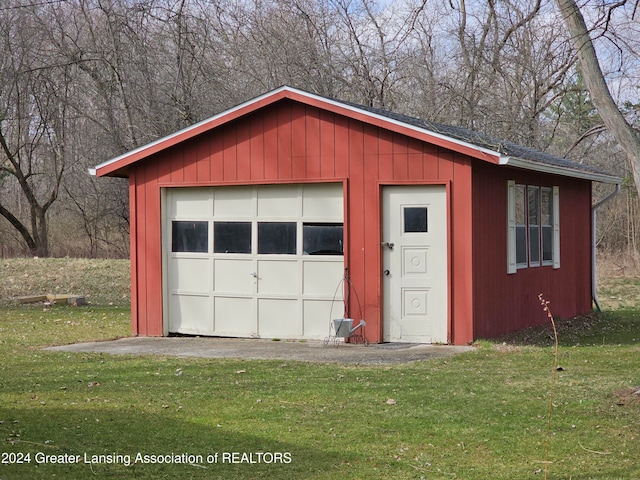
x,y
291,142
508,302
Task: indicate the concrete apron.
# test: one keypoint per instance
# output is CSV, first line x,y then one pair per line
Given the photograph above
x,y
260,349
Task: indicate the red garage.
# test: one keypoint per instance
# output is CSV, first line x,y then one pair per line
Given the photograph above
x,y
247,224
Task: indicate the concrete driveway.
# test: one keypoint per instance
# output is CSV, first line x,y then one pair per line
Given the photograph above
x,y
304,351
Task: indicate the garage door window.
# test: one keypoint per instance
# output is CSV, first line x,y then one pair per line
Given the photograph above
x,y
277,238
322,239
232,237
189,237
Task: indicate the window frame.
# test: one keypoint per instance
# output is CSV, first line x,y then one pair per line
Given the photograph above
x,y
537,244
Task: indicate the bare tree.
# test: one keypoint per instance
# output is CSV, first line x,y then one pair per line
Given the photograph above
x,y
34,93
609,111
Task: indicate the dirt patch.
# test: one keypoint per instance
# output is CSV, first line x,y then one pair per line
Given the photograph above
x,y
627,396
569,331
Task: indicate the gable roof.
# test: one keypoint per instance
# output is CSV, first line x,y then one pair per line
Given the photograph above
x,y
458,139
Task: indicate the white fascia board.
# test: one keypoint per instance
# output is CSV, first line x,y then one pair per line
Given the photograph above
x,y
558,170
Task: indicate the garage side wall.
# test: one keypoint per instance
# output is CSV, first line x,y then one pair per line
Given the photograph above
x,y
289,142
509,302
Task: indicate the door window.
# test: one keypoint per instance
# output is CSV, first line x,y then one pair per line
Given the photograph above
x,y
415,219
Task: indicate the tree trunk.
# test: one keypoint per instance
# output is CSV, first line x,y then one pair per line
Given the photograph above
x,y
601,97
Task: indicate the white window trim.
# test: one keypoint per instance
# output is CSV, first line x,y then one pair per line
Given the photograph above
x,y
512,266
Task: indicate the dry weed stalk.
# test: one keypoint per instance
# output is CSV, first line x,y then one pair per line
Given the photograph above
x,y
545,307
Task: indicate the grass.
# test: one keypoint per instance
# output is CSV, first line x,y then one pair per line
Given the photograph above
x,y
101,281
474,416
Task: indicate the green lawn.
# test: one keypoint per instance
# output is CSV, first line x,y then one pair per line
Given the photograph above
x,y
479,415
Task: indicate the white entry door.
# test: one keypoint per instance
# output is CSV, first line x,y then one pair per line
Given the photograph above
x,y
414,258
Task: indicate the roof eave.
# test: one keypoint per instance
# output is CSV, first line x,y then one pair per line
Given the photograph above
x,y
559,170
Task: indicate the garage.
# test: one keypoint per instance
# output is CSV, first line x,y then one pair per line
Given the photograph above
x,y
243,225
253,261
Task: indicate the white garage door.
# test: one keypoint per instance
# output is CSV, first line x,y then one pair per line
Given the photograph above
x,y
260,261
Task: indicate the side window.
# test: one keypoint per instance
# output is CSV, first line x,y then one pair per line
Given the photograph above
x,y
277,238
533,226
189,236
322,239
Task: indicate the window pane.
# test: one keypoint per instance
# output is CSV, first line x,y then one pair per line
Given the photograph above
x,y
277,238
521,206
189,236
232,237
415,219
534,245
521,245
546,206
534,205
547,243
322,239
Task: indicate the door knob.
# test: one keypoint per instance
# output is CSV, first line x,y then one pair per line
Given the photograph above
x,y
254,274
386,272
387,244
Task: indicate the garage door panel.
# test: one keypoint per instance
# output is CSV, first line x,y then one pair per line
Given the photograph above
x,y
322,202
279,277
323,278
233,275
317,316
279,202
191,203
279,318
191,314
234,316
236,202
190,275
